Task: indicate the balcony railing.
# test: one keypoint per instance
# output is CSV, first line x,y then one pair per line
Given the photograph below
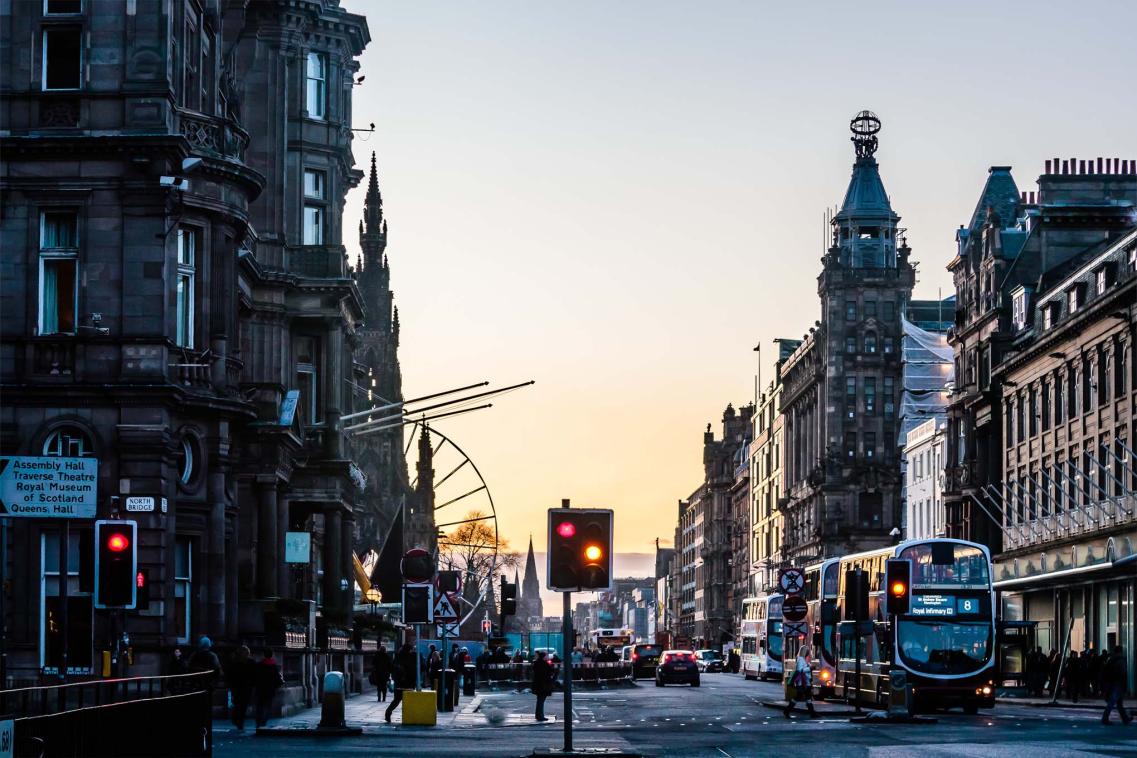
x,y
210,135
1087,519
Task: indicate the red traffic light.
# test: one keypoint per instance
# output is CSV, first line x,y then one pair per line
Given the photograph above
x,y
117,542
566,529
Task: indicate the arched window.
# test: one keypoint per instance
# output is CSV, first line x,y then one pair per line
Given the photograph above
x,y
870,342
187,458
67,442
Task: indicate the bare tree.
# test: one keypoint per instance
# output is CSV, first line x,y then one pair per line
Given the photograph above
x,y
474,549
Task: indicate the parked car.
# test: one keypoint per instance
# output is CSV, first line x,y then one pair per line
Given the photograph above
x,y
677,667
709,660
643,658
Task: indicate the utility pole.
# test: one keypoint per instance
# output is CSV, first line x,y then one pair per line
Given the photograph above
x,y
566,647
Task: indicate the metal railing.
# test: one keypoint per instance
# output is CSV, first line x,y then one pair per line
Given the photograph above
x,y
514,674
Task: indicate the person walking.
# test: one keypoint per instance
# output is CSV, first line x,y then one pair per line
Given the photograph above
x,y
405,665
1075,671
542,684
802,683
381,672
267,679
1093,673
206,660
1033,667
1115,680
239,677
1055,661
434,667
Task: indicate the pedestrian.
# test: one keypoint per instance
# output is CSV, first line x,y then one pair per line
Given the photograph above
x,y
1115,680
457,664
205,660
1093,673
434,667
405,665
239,677
802,684
381,672
577,656
266,681
178,662
735,661
1033,665
542,685
1055,669
1074,676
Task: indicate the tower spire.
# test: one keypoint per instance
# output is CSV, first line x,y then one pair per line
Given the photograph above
x,y
373,204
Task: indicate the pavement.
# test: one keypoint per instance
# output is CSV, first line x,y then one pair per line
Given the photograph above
x,y
723,717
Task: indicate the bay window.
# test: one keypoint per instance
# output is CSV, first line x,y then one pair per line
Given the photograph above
x,y
58,272
186,276
317,74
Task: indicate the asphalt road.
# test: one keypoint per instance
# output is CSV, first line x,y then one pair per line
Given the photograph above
x,y
723,717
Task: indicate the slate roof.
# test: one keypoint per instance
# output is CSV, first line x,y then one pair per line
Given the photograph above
x,y
865,196
1000,192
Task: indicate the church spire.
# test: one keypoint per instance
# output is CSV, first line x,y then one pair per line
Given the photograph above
x,y
373,204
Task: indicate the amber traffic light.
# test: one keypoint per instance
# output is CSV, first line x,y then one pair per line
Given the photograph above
x,y
580,549
898,579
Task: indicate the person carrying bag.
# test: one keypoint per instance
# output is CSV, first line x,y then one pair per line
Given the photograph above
x,y
801,684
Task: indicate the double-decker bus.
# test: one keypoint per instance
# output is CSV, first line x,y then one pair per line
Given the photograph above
x,y
820,594
761,635
945,642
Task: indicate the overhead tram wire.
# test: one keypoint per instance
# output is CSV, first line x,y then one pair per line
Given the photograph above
x,y
387,419
402,403
416,421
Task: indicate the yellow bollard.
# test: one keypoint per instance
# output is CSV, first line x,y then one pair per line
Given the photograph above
x,y
420,708
106,664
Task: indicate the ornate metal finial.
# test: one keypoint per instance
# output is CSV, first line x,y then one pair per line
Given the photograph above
x,y
864,127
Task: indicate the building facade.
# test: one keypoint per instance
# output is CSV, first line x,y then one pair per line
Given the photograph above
x,y
173,188
841,385
767,485
924,481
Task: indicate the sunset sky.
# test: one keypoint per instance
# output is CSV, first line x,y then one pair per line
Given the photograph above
x,y
619,200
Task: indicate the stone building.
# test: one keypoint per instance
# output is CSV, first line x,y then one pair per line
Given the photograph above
x,y
173,185
1063,311
841,385
924,456
686,595
766,482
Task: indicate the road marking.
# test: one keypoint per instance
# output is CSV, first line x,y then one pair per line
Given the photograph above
x,y
728,755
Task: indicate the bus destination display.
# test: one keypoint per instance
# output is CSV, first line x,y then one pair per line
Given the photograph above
x,y
943,605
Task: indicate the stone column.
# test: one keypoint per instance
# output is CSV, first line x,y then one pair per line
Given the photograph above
x,y
333,559
347,550
268,556
284,570
333,390
215,557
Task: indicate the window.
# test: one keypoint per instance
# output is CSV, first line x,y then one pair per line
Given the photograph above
x,y
192,65
870,343
1045,404
307,379
1101,280
317,85
1020,415
1049,316
1059,399
1133,258
1018,309
62,57
870,445
1071,392
187,259
1073,300
851,344
1033,420
183,589
870,511
889,397
313,225
850,445
1101,386
889,345
850,310
870,309
58,272
1089,396
186,459
870,395
80,632
314,184
888,310
851,396
67,442
1118,368
62,7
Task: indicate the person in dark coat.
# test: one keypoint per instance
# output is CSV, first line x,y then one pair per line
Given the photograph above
x,y
405,665
239,676
381,672
267,679
1115,681
1075,674
206,660
1093,673
1055,666
542,685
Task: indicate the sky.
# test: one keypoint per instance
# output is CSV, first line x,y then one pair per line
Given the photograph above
x,y
620,200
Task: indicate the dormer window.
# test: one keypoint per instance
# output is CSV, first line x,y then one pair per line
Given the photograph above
x,y
1074,299
1103,279
1050,315
1133,257
1020,302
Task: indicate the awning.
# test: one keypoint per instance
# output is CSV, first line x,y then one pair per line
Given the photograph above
x,y
1074,573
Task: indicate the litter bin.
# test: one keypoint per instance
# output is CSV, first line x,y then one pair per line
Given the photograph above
x,y
470,680
446,691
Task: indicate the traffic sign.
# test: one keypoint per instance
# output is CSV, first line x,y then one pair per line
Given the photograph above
x,y
48,486
795,629
447,630
445,607
794,608
417,566
791,581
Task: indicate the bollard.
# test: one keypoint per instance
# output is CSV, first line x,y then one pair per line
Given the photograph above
x,y
332,713
470,680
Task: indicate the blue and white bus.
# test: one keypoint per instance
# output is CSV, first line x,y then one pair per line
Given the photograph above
x,y
945,643
761,634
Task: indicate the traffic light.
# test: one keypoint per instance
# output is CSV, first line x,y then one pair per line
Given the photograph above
x,y
898,583
508,598
116,564
142,585
448,581
580,549
856,595
418,604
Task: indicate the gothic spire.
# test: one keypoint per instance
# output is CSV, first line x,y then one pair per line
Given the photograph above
x,y
373,204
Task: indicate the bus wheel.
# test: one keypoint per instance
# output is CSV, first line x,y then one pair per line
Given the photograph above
x,y
749,677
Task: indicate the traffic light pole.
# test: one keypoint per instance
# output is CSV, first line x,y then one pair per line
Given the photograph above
x,y
566,647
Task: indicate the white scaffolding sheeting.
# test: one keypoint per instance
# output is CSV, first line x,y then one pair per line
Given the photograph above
x,y
928,374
